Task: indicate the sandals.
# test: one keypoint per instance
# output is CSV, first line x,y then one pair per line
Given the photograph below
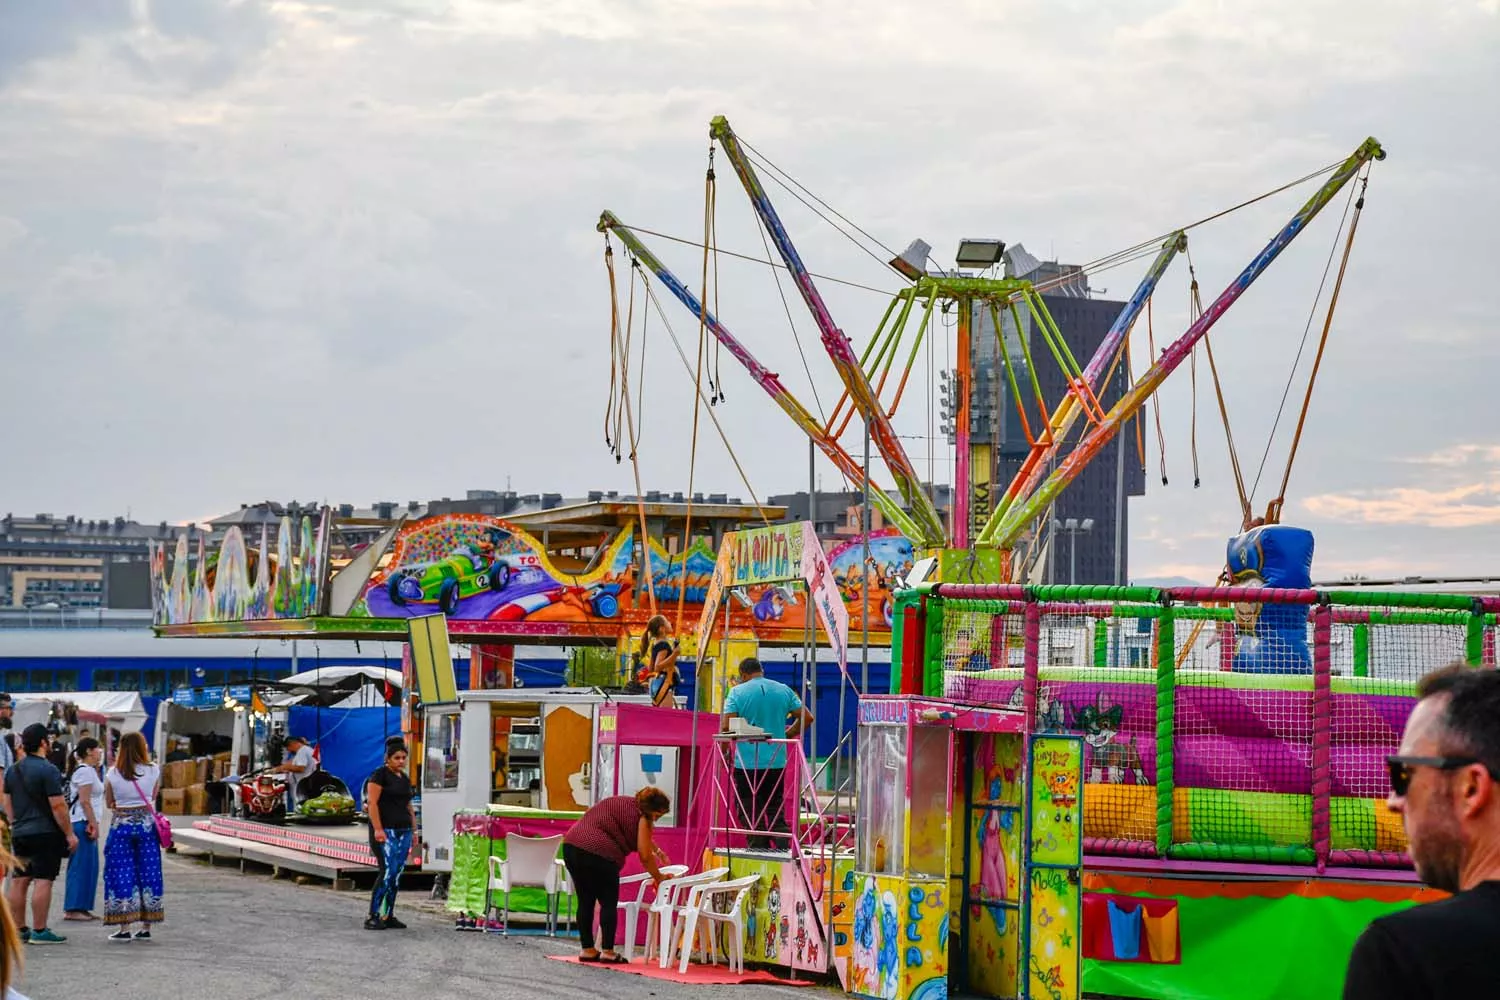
x,y
603,959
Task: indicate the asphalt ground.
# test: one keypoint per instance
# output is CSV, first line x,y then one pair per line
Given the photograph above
x,y
230,936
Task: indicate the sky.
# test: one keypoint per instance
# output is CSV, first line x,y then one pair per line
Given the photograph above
x,y
347,252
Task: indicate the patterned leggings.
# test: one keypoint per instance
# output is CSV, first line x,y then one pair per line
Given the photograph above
x,y
391,856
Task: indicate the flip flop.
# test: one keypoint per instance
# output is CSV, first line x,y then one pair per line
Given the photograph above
x,y
613,960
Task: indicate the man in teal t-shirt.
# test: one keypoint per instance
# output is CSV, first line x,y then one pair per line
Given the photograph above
x,y
759,765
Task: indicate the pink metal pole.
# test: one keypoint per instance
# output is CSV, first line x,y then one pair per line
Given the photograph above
x,y
1322,773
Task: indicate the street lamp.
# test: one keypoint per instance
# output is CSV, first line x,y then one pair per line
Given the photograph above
x,y
1073,527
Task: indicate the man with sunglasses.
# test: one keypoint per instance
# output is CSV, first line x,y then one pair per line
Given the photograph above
x,y
1445,783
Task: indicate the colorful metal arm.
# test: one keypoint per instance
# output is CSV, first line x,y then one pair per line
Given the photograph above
x,y
1021,516
930,531
1068,410
763,377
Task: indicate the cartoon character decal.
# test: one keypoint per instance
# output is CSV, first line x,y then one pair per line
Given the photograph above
x,y
1110,758
1064,793
773,910
1049,711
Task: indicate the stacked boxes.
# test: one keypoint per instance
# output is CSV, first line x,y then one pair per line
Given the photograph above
x,y
183,791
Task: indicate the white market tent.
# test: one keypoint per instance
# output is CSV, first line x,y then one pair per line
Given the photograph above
x,y
124,709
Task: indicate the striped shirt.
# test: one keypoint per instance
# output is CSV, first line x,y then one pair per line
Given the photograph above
x,y
610,829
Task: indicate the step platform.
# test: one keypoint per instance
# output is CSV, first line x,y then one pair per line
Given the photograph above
x,y
339,855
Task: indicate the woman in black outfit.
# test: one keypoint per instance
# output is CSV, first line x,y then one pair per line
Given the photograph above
x,y
388,795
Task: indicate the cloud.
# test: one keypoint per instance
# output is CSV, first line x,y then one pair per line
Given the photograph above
x,y
1467,506
347,250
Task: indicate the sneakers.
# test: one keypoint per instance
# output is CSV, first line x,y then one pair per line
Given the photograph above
x,y
374,924
392,924
144,935
121,935
25,934
45,936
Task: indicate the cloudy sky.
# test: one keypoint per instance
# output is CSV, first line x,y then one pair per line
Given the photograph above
x,y
324,251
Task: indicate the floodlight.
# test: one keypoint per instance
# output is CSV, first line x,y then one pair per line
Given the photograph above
x,y
979,254
912,261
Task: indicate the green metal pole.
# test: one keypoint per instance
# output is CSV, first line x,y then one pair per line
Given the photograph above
x,y
1361,651
1166,670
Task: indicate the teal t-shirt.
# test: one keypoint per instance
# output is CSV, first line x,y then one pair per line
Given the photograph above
x,y
764,703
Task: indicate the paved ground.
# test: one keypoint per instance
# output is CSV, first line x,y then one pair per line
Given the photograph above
x,y
248,937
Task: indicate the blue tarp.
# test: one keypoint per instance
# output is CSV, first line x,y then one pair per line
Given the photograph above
x,y
350,741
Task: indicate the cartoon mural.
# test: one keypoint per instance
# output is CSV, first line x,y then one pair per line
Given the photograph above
x,y
994,927
1056,852
473,567
479,568
290,585
900,938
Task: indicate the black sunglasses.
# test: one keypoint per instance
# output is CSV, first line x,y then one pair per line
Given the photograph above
x,y
1401,768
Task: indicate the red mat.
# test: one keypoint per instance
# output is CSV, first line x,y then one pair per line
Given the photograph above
x,y
697,975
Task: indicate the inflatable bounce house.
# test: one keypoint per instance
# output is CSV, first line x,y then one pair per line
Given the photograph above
x,y
1235,834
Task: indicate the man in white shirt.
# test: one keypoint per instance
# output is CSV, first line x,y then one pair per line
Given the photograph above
x,y
299,766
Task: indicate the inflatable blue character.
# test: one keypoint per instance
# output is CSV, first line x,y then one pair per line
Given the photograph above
x,y
1272,637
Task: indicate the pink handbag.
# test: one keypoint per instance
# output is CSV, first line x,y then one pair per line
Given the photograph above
x,y
163,825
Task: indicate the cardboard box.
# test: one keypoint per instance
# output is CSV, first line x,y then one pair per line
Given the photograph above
x,y
173,802
195,801
201,770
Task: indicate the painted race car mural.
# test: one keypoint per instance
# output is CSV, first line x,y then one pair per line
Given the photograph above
x,y
472,567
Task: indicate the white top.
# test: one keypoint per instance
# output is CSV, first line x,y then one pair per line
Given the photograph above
x,y
303,758
126,796
86,781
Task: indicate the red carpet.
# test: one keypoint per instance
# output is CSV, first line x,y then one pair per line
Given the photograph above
x,y
697,975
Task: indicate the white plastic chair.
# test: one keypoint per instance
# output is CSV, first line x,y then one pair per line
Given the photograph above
x,y
630,909
731,915
529,862
662,916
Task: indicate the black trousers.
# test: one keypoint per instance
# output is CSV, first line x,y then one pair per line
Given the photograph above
x,y
596,882
761,799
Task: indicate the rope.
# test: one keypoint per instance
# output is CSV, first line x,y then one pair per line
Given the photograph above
x,y
723,438
1193,419
1306,330
625,365
640,379
1161,439
1195,308
614,342
884,262
1273,510
796,338
687,529
640,503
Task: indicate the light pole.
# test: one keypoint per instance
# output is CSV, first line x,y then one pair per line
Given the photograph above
x,y
1072,527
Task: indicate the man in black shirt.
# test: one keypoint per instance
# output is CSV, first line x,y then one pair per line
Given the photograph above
x,y
41,833
1445,783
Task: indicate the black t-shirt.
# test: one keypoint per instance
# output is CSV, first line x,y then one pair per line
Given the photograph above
x,y
395,798
31,783
1440,950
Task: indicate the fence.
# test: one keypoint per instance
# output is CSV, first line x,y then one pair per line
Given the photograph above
x,y
1221,724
